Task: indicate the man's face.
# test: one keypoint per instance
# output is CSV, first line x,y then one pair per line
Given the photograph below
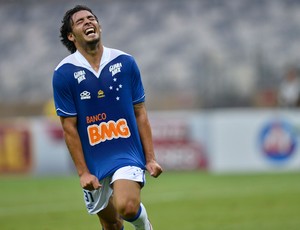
x,y
85,29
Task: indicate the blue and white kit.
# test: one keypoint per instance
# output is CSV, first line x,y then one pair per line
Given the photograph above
x,y
103,104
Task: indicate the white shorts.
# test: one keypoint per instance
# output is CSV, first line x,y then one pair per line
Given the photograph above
x,y
97,200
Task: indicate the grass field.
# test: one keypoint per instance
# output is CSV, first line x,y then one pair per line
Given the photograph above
x,y
175,201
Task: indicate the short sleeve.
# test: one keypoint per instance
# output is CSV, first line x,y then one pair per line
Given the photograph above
x,y
63,97
138,93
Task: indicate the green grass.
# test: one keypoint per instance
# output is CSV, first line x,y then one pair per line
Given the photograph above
x,y
187,200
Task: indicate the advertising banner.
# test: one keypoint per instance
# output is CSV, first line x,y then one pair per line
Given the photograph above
x,y
49,149
251,140
178,140
15,148
33,146
219,141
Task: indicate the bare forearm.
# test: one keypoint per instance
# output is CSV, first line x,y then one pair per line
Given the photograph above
x,y
87,180
145,132
146,138
75,149
74,144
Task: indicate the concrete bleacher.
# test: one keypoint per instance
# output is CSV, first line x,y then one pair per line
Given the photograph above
x,y
201,53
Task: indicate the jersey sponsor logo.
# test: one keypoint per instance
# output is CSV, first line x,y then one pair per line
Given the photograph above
x,y
96,118
85,95
115,68
108,131
79,76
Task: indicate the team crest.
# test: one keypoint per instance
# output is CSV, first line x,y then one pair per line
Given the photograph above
x,y
101,94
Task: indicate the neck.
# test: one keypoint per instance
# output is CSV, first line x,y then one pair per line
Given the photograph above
x,y
92,54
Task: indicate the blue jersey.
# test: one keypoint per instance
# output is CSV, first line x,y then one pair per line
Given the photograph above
x,y
103,104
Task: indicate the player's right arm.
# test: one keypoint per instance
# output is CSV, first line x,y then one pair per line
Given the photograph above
x,y
87,180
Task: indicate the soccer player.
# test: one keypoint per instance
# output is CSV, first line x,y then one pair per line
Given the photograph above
x,y
99,98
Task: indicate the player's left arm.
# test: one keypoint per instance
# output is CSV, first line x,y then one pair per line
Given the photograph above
x,y
146,137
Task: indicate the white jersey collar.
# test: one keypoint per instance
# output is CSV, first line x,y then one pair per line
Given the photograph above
x,y
86,64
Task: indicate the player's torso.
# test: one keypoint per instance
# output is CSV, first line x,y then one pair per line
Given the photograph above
x,y
105,114
110,91
104,102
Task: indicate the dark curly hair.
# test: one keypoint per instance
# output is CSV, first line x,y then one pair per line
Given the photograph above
x,y
67,23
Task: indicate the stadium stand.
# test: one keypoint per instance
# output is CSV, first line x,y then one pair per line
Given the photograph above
x,y
192,54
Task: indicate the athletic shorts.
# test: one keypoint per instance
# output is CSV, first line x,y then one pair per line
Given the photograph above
x,y
97,200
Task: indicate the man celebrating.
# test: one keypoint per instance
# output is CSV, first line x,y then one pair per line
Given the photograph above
x,y
99,97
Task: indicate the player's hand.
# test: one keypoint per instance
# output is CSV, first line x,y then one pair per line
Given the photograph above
x,y
154,168
89,182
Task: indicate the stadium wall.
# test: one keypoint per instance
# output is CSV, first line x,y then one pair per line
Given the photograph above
x,y
219,141
254,141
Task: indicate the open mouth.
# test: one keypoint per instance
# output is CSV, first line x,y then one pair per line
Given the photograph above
x,y
89,31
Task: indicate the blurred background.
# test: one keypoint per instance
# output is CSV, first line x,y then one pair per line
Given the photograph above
x,y
222,92
221,80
